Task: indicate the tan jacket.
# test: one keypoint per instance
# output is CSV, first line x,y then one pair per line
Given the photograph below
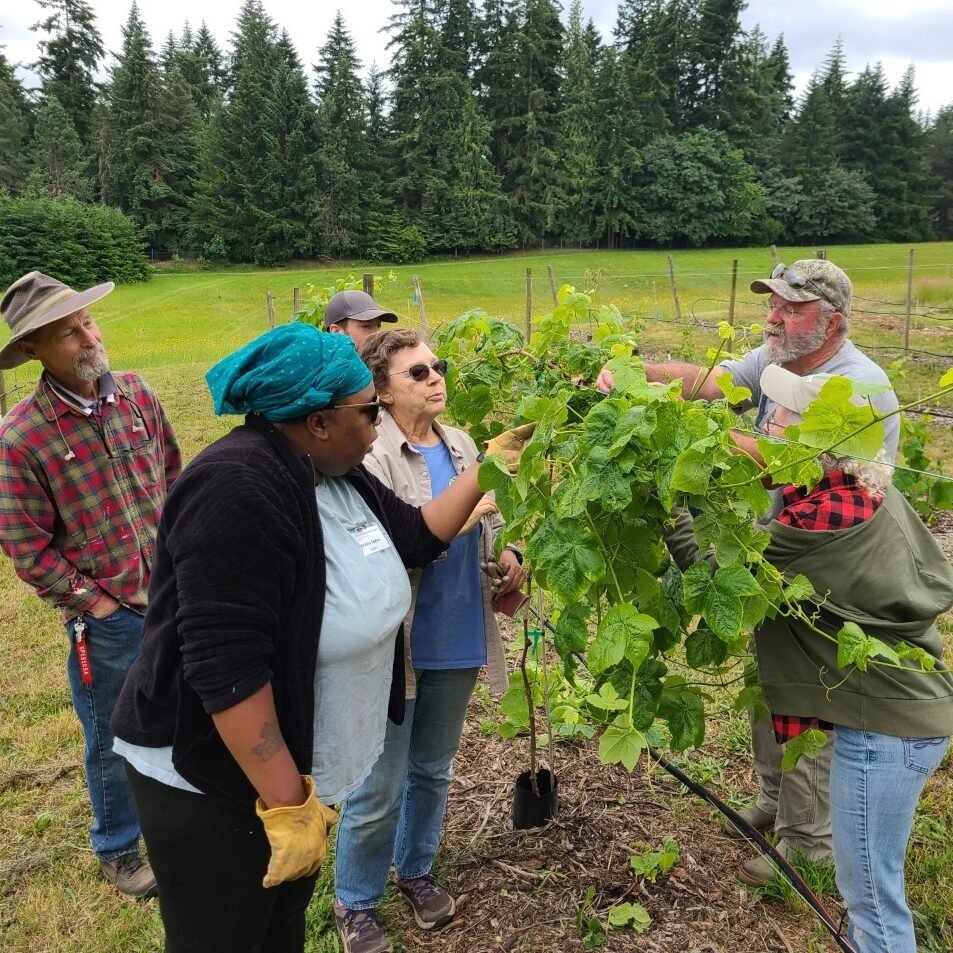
x,y
396,464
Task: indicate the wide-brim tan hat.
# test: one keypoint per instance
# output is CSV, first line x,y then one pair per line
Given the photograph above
x,y
35,300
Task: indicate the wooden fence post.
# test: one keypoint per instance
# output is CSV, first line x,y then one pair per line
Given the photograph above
x,y
906,322
671,272
552,284
822,254
271,311
424,327
731,301
774,255
3,395
296,298
368,283
529,303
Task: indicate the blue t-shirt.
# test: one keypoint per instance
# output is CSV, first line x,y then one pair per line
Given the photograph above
x,y
447,631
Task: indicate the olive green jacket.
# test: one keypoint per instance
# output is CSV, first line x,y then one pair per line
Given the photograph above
x,y
889,577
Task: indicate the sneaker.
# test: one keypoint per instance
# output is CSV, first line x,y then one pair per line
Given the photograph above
x,y
760,820
433,907
131,875
360,931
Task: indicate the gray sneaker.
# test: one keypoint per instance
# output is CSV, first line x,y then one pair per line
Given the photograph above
x,y
760,820
131,875
433,907
359,931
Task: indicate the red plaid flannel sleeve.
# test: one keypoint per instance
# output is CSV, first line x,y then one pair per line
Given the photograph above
x,y
27,525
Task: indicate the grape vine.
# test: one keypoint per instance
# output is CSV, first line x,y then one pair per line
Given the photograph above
x,y
595,494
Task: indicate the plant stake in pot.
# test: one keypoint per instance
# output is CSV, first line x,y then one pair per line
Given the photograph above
x,y
535,794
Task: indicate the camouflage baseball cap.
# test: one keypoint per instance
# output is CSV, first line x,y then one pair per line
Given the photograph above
x,y
808,280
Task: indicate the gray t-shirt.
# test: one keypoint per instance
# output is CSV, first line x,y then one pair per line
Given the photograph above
x,y
368,595
847,362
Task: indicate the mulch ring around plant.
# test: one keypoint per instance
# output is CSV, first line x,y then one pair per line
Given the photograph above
x,y
521,890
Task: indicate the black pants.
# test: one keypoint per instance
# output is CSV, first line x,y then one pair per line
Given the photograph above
x,y
209,859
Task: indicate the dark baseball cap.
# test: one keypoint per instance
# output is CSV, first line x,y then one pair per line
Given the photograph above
x,y
354,306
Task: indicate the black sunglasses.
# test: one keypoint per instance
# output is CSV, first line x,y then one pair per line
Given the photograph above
x,y
371,410
790,276
420,372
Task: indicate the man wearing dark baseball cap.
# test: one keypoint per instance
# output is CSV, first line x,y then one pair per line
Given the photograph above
x,y
356,314
85,462
806,332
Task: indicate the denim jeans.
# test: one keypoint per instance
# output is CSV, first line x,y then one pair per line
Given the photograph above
x,y
876,782
395,816
113,644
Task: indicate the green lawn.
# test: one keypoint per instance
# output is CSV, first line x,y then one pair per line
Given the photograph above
x,y
174,327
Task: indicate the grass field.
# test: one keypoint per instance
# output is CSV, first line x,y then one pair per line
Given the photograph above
x,y
174,327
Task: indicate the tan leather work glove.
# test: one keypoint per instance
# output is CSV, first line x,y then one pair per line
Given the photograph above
x,y
509,444
298,836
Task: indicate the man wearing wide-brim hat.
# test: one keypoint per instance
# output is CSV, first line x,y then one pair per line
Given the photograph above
x,y
85,463
806,320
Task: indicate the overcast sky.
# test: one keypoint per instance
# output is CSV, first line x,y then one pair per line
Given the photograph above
x,y
895,33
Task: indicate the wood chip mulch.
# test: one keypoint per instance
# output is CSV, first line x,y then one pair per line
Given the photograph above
x,y
521,890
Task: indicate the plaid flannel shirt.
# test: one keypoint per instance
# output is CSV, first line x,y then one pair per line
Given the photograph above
x,y
81,492
837,502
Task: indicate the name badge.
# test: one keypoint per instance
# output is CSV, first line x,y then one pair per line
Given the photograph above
x,y
370,537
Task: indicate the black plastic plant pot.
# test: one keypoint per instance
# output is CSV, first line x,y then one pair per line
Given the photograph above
x,y
532,810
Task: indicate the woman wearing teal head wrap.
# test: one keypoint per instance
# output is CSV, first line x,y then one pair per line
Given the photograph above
x,y
273,638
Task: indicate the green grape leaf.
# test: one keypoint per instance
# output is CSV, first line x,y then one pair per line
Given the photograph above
x,y
566,556
648,692
684,711
799,589
703,648
607,699
833,421
808,744
718,597
493,474
471,406
941,494
735,395
692,471
605,481
854,647
786,463
947,379
657,601
544,410
751,698
630,914
916,654
623,633
572,630
621,744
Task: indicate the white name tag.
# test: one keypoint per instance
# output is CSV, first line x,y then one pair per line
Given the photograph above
x,y
370,537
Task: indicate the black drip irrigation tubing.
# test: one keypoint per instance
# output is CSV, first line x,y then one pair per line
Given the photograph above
x,y
748,833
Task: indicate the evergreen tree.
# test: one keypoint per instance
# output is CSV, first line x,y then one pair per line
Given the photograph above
x,y
14,128
716,77
615,192
69,57
203,71
142,131
812,142
939,145
343,153
531,166
288,209
60,164
577,131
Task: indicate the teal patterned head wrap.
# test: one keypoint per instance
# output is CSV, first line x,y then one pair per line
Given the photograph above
x,y
287,373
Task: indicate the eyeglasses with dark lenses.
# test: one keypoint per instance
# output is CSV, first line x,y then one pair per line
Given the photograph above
x,y
371,410
420,372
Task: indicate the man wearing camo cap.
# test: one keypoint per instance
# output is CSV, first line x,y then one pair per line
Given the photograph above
x,y
806,332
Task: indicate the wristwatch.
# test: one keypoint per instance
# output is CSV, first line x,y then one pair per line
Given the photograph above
x,y
480,457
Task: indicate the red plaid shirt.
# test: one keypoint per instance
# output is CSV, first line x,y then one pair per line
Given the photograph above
x,y
80,494
837,502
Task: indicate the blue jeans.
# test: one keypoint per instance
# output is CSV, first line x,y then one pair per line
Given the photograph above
x,y
876,782
395,816
113,644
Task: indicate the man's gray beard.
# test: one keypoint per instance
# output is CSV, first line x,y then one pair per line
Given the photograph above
x,y
93,367
790,347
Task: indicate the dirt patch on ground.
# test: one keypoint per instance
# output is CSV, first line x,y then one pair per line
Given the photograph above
x,y
942,529
520,891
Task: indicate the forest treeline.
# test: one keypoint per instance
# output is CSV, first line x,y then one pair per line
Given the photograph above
x,y
495,125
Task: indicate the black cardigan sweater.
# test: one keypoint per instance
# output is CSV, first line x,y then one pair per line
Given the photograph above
x,y
236,601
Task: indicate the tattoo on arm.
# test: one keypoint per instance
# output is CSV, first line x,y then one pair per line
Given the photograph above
x,y
271,742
